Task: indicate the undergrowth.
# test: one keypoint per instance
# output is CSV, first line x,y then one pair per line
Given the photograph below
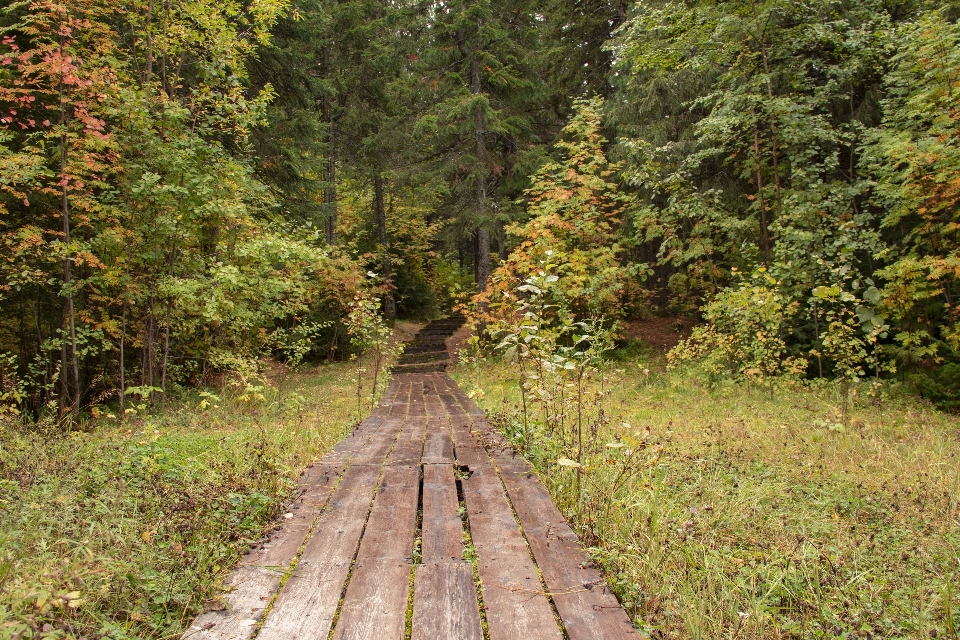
x,y
127,530
720,512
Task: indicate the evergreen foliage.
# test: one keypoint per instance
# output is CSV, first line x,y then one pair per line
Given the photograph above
x,y
186,187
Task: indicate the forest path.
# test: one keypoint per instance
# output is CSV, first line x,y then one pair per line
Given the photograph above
x,y
424,504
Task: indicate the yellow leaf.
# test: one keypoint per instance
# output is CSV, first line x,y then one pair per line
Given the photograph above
x,y
146,536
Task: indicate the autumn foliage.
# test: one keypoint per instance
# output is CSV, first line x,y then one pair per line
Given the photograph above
x,y
575,211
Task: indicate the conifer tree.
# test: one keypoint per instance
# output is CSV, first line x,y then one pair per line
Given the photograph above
x,y
488,120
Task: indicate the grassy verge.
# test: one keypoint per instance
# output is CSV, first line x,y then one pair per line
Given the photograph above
x,y
126,530
719,512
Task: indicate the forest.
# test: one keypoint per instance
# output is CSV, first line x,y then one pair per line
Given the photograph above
x,y
212,211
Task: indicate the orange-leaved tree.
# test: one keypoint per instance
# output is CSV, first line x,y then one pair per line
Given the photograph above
x,y
575,213
58,83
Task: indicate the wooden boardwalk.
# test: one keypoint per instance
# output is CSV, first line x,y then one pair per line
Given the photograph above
x,y
423,523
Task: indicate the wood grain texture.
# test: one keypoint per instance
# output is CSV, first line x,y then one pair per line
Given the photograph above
x,y
253,584
439,491
357,508
409,447
445,603
582,597
253,588
515,604
438,448
308,601
393,520
587,607
375,605
307,604
380,444
441,530
441,539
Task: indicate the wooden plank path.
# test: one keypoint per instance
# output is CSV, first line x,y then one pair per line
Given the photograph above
x,y
424,500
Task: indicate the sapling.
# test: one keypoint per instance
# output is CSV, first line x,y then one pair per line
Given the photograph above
x,y
368,332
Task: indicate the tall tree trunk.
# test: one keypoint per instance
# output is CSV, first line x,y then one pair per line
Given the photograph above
x,y
389,304
475,255
761,38
150,346
330,171
330,191
166,322
148,65
483,231
764,226
67,264
123,372
166,354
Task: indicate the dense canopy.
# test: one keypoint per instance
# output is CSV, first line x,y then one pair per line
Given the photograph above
x,y
187,187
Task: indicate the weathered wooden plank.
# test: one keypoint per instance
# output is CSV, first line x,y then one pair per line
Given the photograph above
x,y
388,399
512,594
441,532
467,452
467,405
254,583
582,597
308,601
322,474
441,539
409,447
445,603
253,588
393,408
422,417
452,407
393,520
587,607
415,407
438,448
375,605
439,491
380,444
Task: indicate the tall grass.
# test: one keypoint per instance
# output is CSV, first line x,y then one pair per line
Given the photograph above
x,y
719,512
127,530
